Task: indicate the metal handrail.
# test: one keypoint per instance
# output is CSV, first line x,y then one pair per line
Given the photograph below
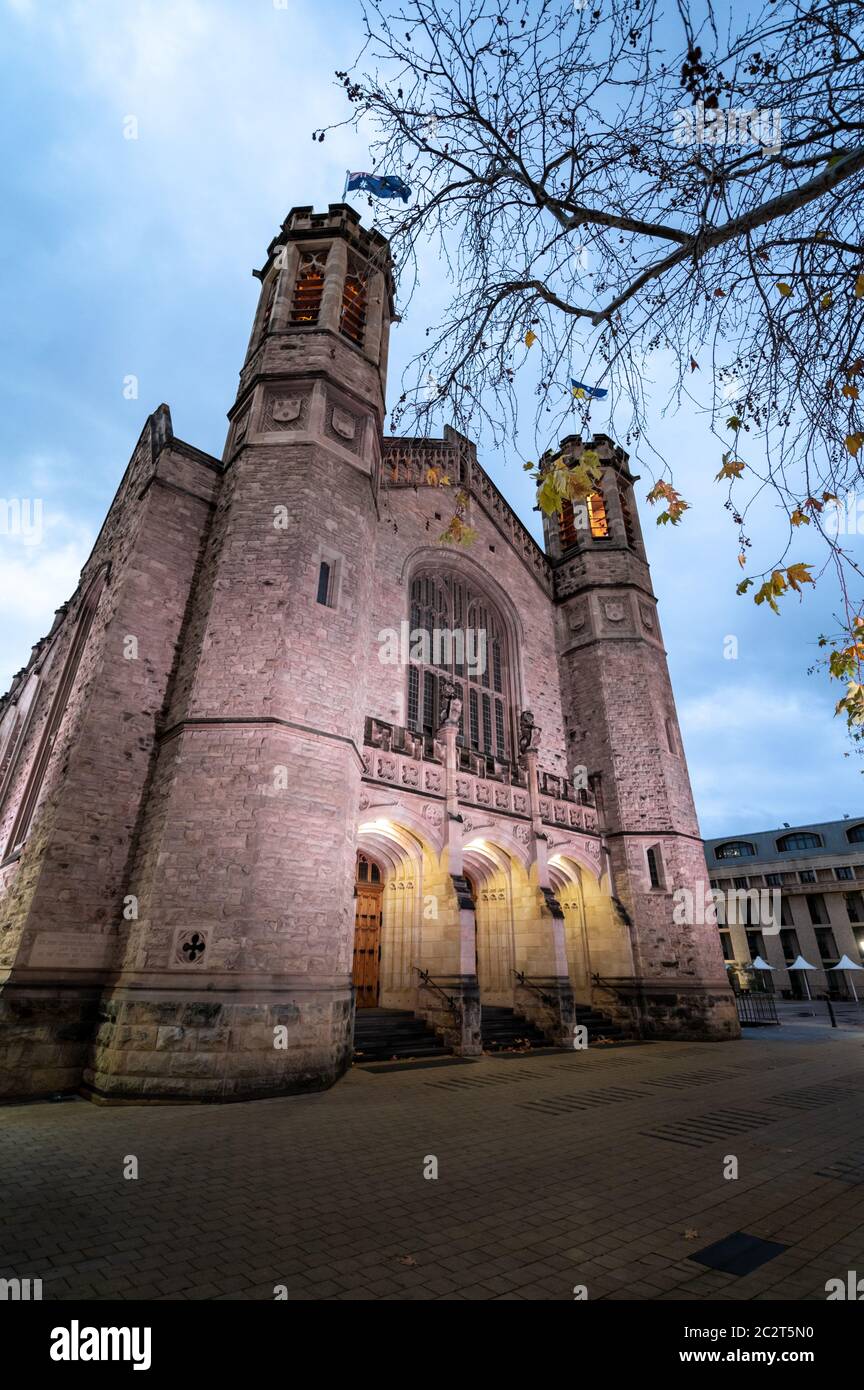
x,y
453,1004
528,983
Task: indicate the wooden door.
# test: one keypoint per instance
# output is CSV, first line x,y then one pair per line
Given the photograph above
x,y
367,934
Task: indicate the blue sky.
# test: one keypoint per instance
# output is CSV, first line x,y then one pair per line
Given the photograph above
x,y
124,257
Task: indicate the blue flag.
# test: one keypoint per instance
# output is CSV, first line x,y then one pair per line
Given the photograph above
x,y
594,393
382,185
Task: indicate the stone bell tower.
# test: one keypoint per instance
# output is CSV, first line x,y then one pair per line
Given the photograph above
x,y
621,726
236,975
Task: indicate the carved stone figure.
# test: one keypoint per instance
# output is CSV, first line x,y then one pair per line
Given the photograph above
x,y
451,705
529,733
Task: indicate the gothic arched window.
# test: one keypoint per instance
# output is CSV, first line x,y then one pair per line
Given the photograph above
x,y
353,322
457,635
590,515
309,287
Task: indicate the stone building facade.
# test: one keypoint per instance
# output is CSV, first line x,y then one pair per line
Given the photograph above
x,y
795,891
230,805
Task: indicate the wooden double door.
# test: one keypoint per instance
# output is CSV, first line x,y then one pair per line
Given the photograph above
x,y
368,902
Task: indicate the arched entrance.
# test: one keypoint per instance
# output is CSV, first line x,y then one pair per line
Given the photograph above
x,y
368,899
488,870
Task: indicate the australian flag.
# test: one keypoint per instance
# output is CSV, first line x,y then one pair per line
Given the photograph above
x,y
581,391
382,185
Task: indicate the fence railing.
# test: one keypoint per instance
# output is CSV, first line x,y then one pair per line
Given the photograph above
x,y
756,1009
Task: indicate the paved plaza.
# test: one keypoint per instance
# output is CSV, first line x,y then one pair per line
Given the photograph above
x,y
602,1168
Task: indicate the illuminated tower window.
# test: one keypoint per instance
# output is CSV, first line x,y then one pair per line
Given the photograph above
x,y
353,323
597,515
573,520
309,287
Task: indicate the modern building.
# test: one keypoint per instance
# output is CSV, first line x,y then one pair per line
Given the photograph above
x,y
260,773
817,872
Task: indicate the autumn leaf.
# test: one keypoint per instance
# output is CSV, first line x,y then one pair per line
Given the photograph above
x,y
694,365
732,468
850,391
859,287
733,423
854,442
742,559
677,505
798,518
549,498
784,289
826,301
799,574
530,338
743,586
432,477
771,590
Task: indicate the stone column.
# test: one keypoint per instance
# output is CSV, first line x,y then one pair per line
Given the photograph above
x,y
552,1010
334,284
462,987
281,311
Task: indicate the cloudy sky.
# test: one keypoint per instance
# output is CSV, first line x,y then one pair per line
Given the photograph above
x,y
132,257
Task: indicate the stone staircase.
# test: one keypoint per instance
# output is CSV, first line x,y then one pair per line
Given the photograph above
x,y
385,1035
599,1025
503,1030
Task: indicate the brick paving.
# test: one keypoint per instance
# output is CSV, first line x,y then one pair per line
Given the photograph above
x,y
603,1169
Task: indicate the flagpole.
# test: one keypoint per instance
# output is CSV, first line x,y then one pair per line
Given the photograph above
x,y
345,189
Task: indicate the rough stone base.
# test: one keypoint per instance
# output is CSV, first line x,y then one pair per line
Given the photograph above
x,y
548,1003
458,1027
219,1046
676,1011
45,1036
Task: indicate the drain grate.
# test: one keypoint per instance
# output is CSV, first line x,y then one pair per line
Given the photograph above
x,y
738,1253
470,1083
849,1169
685,1079
378,1068
810,1097
588,1100
711,1128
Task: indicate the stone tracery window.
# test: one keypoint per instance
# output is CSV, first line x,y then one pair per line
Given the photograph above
x,y
353,321
309,287
591,515
458,635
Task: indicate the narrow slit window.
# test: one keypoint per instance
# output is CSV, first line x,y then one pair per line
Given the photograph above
x,y
653,868
325,584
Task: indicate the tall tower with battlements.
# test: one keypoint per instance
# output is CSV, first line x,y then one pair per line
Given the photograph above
x,y
236,977
620,725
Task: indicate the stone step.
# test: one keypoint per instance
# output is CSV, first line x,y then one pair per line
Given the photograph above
x,y
382,1034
